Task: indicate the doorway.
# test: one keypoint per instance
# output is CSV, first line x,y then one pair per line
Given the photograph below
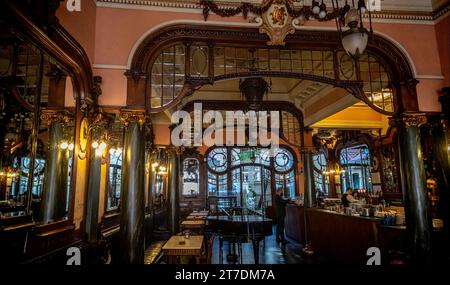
x,y
247,177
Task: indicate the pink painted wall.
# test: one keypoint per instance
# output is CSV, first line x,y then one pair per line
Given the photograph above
x,y
443,39
81,25
114,87
117,31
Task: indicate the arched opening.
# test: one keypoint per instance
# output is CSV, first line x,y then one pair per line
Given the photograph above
x,y
178,60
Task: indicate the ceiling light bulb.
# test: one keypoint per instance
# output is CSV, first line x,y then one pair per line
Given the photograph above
x,y
98,151
363,10
71,146
316,10
95,144
322,14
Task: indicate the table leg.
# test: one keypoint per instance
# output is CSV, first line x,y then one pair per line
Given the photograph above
x,y
256,250
220,250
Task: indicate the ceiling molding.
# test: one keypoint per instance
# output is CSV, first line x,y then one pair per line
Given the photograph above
x,y
330,109
408,13
348,124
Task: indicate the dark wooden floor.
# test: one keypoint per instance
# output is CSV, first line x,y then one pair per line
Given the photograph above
x,y
271,253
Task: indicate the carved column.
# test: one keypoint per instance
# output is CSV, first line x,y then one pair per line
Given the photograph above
x,y
132,196
97,129
441,144
54,196
418,219
173,187
308,177
309,193
150,176
3,195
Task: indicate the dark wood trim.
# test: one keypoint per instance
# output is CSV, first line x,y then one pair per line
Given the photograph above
x,y
50,37
392,58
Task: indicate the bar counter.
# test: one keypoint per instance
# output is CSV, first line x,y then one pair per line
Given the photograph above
x,y
343,238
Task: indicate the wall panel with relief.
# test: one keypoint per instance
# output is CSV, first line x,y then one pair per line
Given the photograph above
x,y
37,137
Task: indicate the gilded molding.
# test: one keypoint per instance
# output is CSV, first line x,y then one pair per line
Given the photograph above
x,y
413,120
99,123
49,117
129,116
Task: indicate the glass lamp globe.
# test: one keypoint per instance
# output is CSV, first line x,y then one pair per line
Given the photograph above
x,y
322,14
355,41
316,9
352,17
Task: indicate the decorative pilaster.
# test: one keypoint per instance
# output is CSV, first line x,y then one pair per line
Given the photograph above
x,y
54,197
132,204
418,219
407,95
136,87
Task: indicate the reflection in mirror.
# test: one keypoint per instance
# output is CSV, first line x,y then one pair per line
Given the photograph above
x,y
158,185
36,141
191,173
115,136
159,167
355,162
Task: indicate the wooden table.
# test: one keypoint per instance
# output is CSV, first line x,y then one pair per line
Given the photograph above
x,y
200,213
196,217
178,246
193,224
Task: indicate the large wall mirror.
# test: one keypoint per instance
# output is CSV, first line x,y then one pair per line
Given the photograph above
x,y
37,134
115,158
191,175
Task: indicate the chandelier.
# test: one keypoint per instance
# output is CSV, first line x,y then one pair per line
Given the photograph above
x,y
253,90
348,15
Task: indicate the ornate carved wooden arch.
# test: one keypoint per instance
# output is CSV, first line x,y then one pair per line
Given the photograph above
x,y
60,45
389,55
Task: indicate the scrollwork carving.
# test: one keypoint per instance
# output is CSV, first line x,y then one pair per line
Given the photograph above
x,y
128,116
49,117
411,120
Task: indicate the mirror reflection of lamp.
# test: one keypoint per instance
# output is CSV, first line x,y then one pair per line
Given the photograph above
x,y
159,165
100,147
